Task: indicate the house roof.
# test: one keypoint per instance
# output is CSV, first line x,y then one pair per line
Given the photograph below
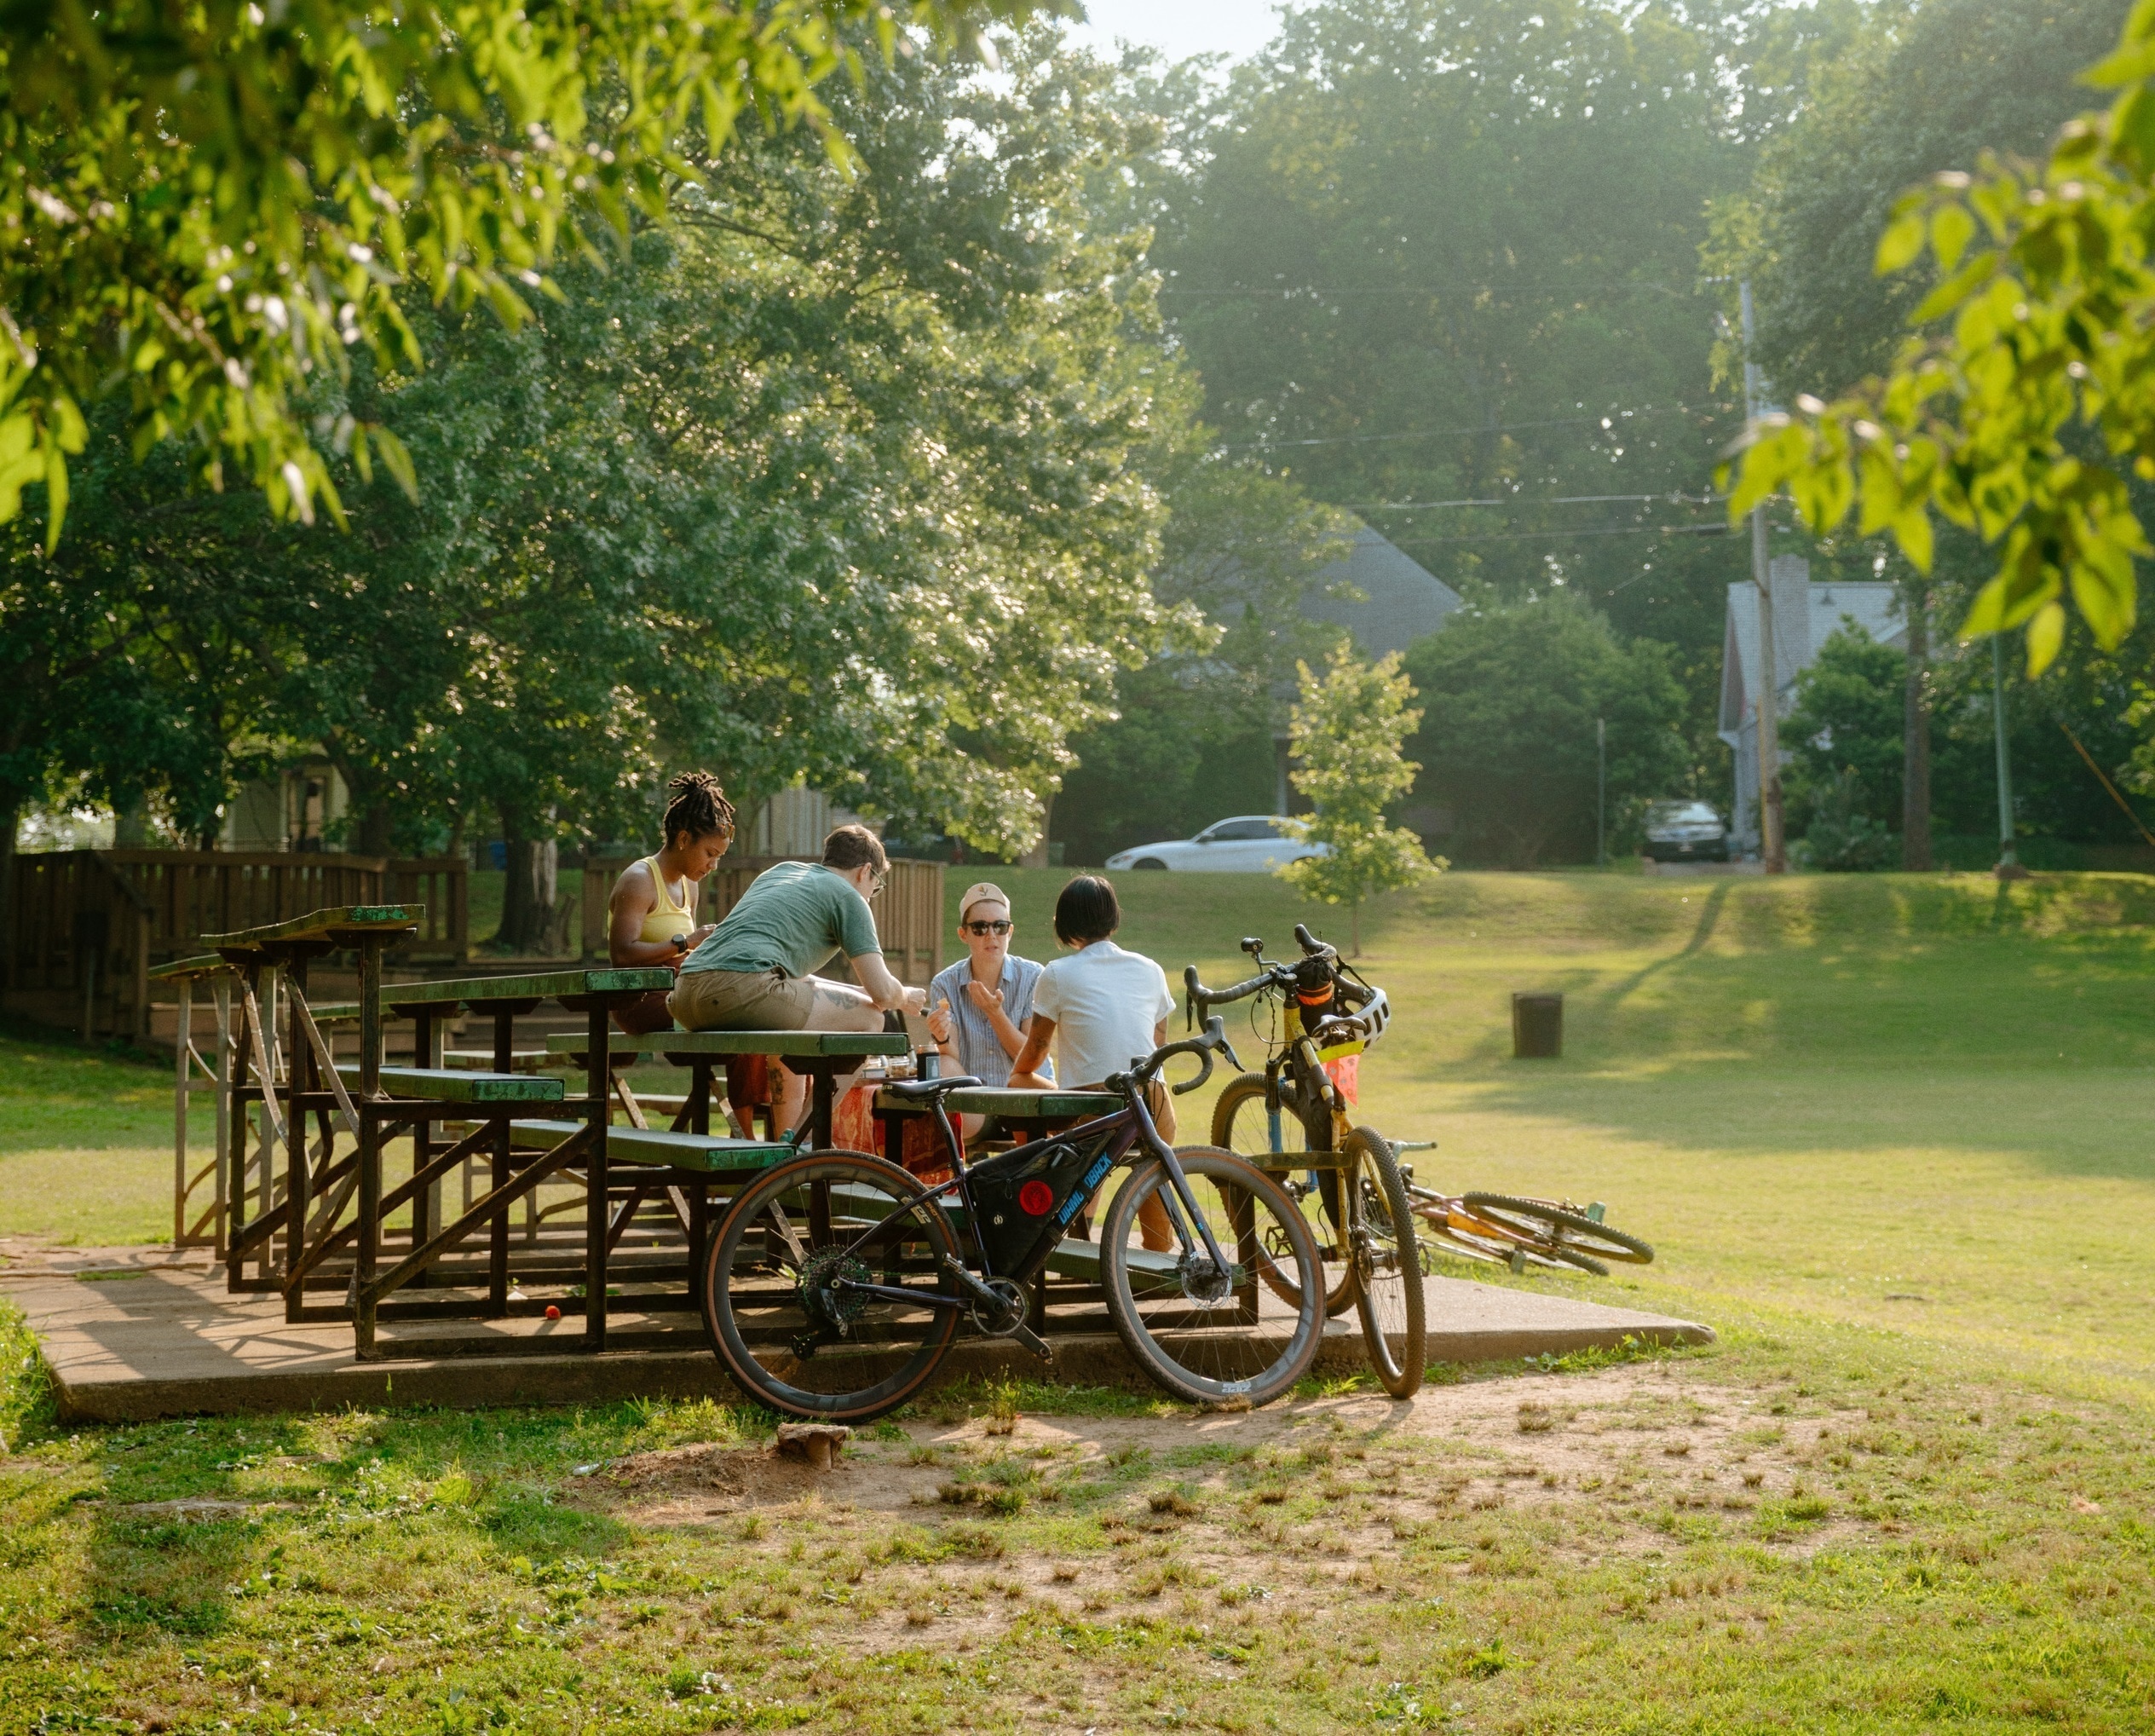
x,y
1805,616
1401,601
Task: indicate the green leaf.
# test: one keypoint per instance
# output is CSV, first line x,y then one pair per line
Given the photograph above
x,y
1951,229
1900,244
2046,635
1950,294
1912,531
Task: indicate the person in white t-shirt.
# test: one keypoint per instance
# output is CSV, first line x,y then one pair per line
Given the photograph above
x,y
1101,1008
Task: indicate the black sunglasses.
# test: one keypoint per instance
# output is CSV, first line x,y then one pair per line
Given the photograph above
x,y
987,927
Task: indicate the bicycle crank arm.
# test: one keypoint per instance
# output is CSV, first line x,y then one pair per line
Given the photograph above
x,y
987,1298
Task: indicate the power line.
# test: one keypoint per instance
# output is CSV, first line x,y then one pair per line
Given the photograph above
x,y
1540,536
1611,416
1673,500
1288,292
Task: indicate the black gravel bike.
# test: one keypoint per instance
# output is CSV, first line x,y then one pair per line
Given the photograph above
x,y
1292,1120
837,1283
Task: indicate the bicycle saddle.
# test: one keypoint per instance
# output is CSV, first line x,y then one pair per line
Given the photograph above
x,y
918,1090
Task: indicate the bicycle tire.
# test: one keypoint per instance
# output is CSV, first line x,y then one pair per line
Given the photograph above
x,y
754,1316
1388,1276
1193,1343
1567,1235
1240,1125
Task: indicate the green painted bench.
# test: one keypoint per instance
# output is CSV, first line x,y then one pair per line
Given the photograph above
x,y
821,1055
712,1154
797,1045
457,1084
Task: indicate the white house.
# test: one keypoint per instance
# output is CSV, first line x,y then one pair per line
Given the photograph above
x,y
1805,615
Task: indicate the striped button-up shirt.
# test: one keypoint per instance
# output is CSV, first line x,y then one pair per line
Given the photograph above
x,y
980,1051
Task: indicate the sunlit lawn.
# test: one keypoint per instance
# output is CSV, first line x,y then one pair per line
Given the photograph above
x,y
1891,1136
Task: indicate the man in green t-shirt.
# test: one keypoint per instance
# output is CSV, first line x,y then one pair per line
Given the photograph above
x,y
753,972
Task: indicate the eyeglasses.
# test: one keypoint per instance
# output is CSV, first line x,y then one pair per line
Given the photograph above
x,y
987,927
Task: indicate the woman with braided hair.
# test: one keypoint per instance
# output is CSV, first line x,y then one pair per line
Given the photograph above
x,y
651,917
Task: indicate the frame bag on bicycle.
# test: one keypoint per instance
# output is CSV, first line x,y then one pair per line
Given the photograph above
x,y
1021,1193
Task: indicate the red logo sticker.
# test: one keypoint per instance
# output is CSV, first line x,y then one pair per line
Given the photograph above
x,y
1035,1198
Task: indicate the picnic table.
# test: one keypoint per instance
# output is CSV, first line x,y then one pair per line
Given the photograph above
x,y
820,1056
493,1106
1032,1113
261,959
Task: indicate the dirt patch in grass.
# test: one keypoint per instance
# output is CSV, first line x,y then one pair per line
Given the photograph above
x,y
967,1531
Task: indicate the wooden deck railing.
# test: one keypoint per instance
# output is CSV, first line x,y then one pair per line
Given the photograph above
x,y
84,927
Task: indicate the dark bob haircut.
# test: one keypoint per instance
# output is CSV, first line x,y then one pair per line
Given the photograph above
x,y
1086,911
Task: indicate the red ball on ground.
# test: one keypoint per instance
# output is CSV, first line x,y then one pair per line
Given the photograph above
x,y
552,1313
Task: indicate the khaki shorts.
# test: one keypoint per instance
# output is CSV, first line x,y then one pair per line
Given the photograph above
x,y
742,1001
1159,1103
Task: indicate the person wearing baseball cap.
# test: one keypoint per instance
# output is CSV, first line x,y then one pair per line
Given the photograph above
x,y
981,1008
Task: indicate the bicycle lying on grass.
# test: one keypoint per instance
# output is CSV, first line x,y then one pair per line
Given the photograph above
x,y
1293,1117
1503,1231
836,1283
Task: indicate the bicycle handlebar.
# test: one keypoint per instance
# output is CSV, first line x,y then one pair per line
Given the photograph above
x,y
1214,1042
1199,996
1312,946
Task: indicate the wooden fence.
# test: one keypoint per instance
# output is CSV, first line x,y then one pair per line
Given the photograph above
x,y
908,911
83,927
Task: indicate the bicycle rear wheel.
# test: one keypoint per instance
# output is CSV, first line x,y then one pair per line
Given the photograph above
x,y
1559,1232
1243,1125
774,1303
1387,1265
1202,1334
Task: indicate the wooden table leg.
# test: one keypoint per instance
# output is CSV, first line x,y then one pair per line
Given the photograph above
x,y
597,1085
299,1070
423,1201
369,1239
497,1225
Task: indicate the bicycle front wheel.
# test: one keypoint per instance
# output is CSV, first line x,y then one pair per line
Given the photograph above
x,y
1387,1265
1560,1232
1243,1124
1206,1335
778,1297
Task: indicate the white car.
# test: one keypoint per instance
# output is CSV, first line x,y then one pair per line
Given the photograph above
x,y
1248,843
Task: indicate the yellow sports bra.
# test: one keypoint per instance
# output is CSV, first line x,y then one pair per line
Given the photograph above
x,y
667,919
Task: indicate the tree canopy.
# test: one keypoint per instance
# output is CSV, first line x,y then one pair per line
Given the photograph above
x,y
206,206
2020,411
845,472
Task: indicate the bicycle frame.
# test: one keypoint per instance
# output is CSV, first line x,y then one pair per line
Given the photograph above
x,y
1126,1128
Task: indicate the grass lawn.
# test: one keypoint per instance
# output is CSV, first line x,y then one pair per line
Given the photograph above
x,y
1888,1134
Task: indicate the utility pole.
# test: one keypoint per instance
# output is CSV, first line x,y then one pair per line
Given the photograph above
x,y
2008,867
1600,793
1772,853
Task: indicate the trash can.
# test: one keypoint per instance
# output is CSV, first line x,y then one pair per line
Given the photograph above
x,y
1537,1027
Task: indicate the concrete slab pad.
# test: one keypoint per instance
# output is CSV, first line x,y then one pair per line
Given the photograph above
x,y
133,1333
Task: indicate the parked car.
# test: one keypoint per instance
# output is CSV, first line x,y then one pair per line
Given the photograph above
x,y
1248,843
1686,832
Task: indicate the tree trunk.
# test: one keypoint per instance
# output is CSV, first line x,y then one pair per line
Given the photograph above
x,y
131,824
1354,928
527,897
10,820
371,836
1915,771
